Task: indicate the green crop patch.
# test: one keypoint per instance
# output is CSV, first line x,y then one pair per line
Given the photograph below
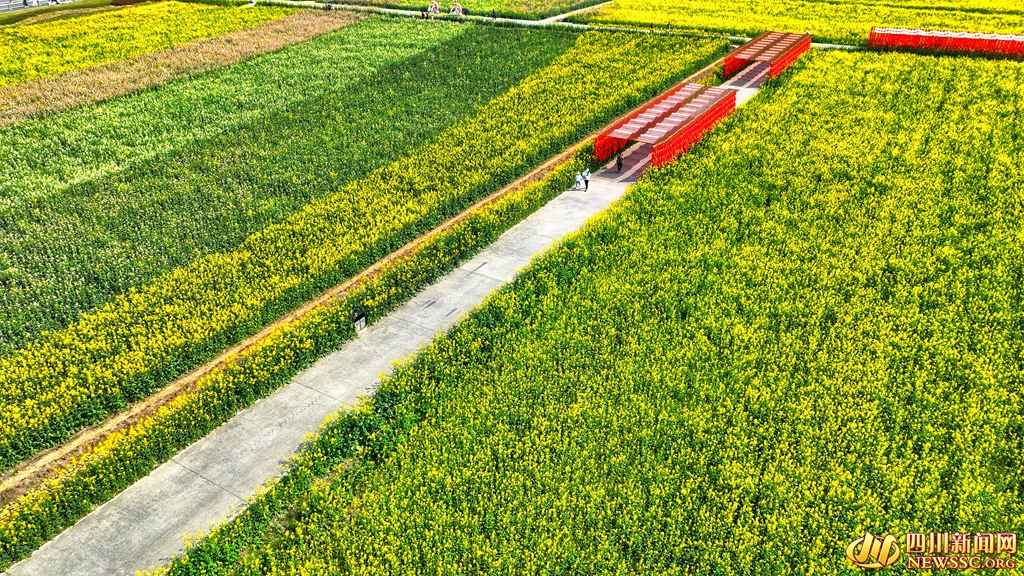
x,y
106,198
522,96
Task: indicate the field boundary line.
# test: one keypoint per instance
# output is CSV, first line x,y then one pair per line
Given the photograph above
x,y
552,22
21,479
561,17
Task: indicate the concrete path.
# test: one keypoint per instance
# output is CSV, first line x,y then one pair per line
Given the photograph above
x,y
479,16
12,5
557,21
561,17
143,526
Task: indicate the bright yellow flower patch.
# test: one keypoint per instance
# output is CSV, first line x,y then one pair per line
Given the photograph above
x,y
35,51
840,22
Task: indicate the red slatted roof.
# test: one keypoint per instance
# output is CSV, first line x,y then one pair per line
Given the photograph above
x,y
693,109
684,104
752,76
768,47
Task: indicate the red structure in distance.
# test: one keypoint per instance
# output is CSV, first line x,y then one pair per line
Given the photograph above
x,y
1009,45
682,115
778,49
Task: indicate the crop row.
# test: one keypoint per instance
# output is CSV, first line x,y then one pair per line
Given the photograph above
x,y
142,185
807,328
838,22
30,52
103,82
124,457
128,348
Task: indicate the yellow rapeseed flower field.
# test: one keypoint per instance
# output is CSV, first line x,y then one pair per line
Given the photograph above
x,y
807,328
36,51
844,22
76,376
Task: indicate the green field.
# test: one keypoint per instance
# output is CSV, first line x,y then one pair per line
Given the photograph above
x,y
340,205
809,327
138,186
842,22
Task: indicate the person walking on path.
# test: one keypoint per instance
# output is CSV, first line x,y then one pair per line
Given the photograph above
x,y
618,163
579,181
586,179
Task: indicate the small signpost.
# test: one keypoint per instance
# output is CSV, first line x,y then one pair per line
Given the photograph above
x,y
359,320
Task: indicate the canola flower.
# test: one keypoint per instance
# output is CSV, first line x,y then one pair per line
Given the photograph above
x,y
1010,6
839,22
36,51
806,328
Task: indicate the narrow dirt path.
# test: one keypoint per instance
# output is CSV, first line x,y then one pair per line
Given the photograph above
x,y
561,17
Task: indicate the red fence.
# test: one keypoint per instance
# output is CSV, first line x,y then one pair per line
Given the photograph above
x,y
672,122
685,135
651,113
779,49
946,41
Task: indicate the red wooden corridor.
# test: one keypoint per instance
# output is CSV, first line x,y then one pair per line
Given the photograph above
x,y
777,49
671,123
